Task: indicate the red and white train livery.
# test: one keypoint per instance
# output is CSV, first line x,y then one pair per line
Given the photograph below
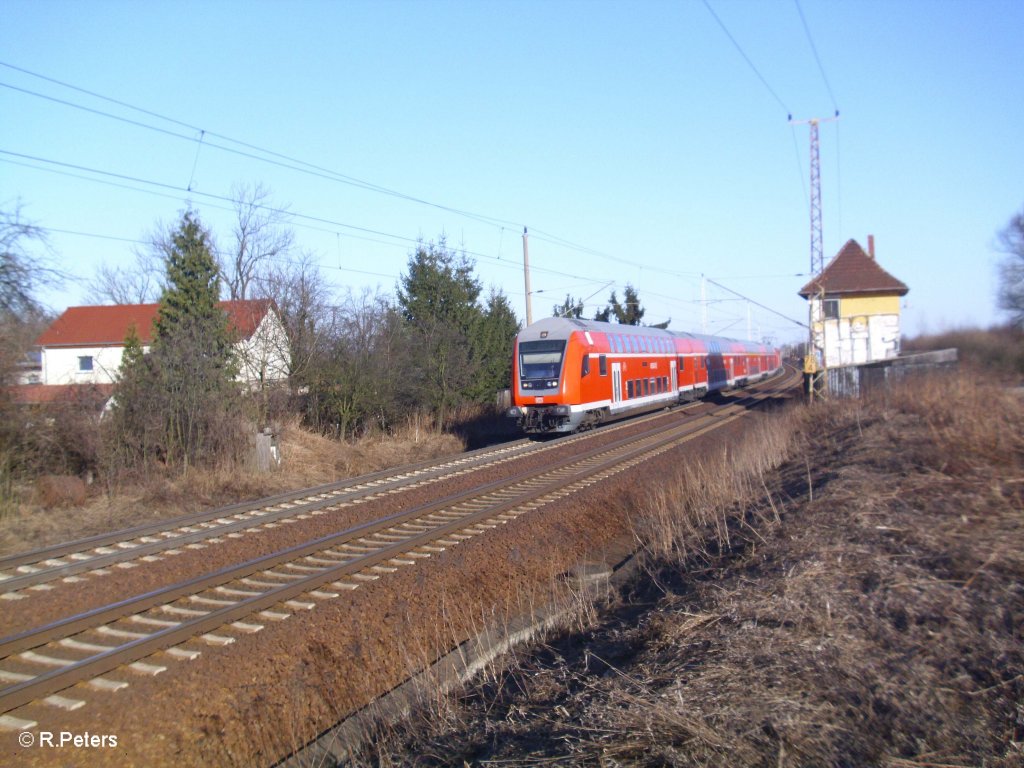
x,y
570,374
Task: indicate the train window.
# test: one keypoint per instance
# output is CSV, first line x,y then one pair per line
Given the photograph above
x,y
629,389
586,365
647,386
541,359
614,342
682,364
602,361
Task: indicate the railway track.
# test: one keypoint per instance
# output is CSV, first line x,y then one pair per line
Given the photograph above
x,y
57,664
71,562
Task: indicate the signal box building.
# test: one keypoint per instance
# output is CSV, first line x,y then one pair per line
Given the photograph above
x,y
855,308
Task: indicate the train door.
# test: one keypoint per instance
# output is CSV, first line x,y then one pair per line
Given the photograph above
x,y
616,382
673,378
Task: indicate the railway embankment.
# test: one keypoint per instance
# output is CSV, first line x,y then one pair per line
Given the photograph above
x,y
860,604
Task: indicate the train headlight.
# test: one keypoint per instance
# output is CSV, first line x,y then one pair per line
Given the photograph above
x,y
553,384
514,412
562,410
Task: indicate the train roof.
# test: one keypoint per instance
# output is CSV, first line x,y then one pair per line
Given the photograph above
x,y
563,326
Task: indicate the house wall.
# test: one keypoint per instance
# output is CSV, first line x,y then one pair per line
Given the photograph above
x,y
868,329
60,365
262,358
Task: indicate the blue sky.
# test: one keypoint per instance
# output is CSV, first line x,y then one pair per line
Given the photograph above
x,y
634,131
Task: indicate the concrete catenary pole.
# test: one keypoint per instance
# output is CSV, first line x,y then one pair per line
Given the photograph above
x,y
526,276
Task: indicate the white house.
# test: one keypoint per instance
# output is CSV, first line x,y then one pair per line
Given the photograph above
x,y
85,344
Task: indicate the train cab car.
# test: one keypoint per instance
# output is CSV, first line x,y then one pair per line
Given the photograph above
x,y
571,374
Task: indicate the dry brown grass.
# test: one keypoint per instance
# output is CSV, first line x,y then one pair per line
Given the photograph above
x,y
861,605
51,514
996,352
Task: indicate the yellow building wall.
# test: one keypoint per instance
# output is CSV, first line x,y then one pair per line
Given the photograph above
x,y
854,306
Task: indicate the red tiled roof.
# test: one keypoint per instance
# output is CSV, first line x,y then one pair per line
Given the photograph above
x,y
107,326
853,271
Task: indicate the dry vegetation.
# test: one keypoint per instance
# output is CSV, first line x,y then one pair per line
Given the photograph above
x,y
60,507
996,352
859,603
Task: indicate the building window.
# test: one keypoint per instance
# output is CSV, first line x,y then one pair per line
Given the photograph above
x,y
831,307
85,364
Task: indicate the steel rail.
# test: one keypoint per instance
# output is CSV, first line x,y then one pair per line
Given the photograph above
x,y
106,614
174,532
579,470
263,512
149,529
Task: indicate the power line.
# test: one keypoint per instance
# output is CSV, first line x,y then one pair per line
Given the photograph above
x,y
203,138
304,219
745,57
835,106
291,162
755,303
817,58
282,160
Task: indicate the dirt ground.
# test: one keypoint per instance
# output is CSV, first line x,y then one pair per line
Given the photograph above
x,y
865,606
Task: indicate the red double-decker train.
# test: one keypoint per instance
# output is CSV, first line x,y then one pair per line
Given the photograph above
x,y
570,374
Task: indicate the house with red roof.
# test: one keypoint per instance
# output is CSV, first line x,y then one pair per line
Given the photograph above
x,y
855,308
85,344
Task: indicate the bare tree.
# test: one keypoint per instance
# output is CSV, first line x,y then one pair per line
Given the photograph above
x,y
23,269
140,283
301,295
260,236
1011,270
144,280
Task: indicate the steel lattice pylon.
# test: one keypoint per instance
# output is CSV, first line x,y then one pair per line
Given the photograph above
x,y
817,249
814,360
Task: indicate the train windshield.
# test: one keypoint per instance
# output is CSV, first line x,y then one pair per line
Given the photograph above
x,y
541,359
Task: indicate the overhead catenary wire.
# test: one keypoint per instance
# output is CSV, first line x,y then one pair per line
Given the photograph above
x,y
817,58
303,220
202,138
285,161
746,58
835,107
